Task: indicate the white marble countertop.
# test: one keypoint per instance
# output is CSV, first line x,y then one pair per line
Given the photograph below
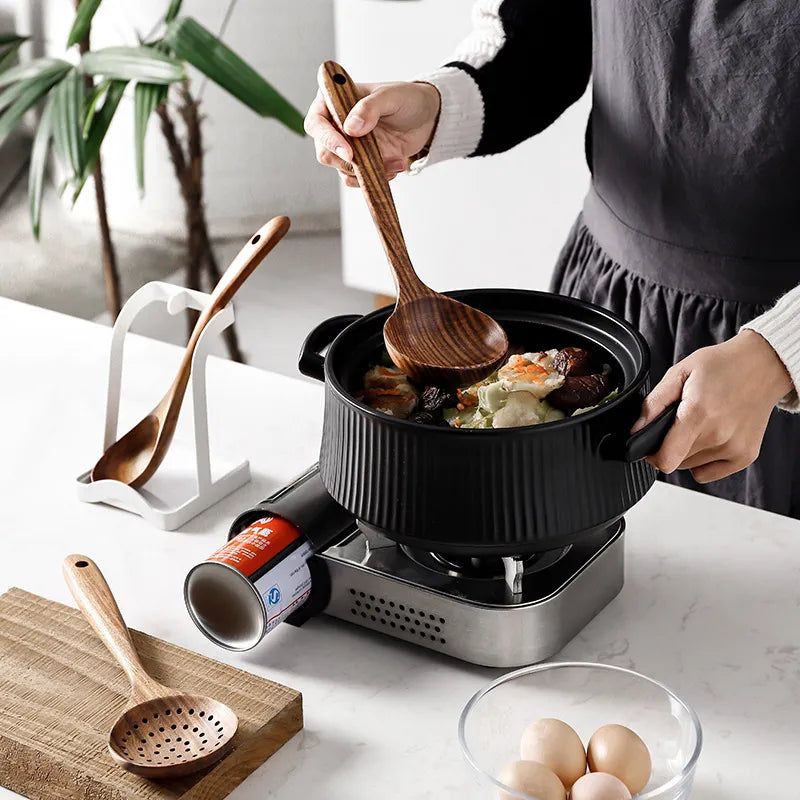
x,y
711,603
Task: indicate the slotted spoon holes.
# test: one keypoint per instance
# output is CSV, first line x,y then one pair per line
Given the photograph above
x,y
168,733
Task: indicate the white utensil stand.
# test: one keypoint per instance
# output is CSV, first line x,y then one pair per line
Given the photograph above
x,y
167,500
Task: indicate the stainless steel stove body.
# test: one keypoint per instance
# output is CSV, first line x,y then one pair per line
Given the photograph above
x,y
494,612
497,612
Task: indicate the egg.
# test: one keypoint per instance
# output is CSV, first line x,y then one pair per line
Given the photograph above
x,y
531,778
599,786
619,751
553,743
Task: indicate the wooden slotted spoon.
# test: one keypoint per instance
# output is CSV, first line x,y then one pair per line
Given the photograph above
x,y
432,338
134,458
162,733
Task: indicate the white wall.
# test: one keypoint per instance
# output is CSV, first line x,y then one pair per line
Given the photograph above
x,y
492,222
254,167
8,10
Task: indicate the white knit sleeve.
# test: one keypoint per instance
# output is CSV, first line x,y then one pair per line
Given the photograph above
x,y
460,117
780,326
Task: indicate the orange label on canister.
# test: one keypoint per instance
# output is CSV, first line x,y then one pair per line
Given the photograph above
x,y
257,544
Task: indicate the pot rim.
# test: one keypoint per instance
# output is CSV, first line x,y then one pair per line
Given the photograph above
x,y
332,381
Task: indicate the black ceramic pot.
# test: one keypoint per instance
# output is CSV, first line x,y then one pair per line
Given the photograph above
x,y
488,492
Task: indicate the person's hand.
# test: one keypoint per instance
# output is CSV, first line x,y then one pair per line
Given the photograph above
x,y
402,115
727,394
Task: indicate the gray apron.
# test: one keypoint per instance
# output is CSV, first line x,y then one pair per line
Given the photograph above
x,y
692,224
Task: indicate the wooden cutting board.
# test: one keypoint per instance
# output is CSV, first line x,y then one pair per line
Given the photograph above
x,y
61,691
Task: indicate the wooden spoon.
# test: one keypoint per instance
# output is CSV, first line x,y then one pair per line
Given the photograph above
x,y
137,455
162,733
430,337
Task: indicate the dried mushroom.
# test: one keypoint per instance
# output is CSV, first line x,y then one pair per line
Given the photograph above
x,y
434,399
580,391
573,361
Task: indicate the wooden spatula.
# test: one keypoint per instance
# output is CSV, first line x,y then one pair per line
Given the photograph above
x,y
432,338
162,733
134,458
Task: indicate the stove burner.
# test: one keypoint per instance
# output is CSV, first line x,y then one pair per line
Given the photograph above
x,y
484,567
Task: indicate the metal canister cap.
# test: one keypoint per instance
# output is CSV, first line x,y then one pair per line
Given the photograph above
x,y
225,605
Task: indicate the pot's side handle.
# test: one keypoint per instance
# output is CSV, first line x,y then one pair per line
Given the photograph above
x,y
643,443
311,362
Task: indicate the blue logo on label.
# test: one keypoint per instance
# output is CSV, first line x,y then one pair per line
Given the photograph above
x,y
274,596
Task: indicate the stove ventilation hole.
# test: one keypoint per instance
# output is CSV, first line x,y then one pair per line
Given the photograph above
x,y
387,613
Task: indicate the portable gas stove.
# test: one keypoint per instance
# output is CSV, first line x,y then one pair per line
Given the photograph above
x,y
490,611
498,612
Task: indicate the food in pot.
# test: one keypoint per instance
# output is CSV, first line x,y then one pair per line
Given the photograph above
x,y
580,391
529,389
573,361
618,751
599,786
531,778
534,373
434,398
388,390
556,745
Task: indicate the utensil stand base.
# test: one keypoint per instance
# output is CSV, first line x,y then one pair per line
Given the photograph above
x,y
173,495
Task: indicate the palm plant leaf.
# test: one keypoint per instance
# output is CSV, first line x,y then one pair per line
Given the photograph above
x,y
97,131
9,44
204,51
133,64
68,122
26,96
11,38
41,144
83,21
173,10
12,93
146,98
97,94
33,69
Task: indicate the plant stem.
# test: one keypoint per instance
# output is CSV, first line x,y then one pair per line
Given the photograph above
x,y
109,255
194,146
110,270
188,165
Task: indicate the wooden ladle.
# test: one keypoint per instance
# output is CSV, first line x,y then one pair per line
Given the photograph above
x,y
162,733
137,455
430,337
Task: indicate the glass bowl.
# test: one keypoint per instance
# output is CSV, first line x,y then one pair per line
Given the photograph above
x,y
585,696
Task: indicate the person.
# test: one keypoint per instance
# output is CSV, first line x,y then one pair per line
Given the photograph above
x,y
691,225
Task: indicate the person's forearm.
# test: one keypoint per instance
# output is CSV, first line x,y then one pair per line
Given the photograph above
x,y
780,326
525,62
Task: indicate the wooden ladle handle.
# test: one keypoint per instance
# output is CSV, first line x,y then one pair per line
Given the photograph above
x,y
341,95
239,270
247,259
95,600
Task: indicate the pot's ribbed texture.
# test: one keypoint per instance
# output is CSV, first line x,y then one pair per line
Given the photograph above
x,y
485,491
451,490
